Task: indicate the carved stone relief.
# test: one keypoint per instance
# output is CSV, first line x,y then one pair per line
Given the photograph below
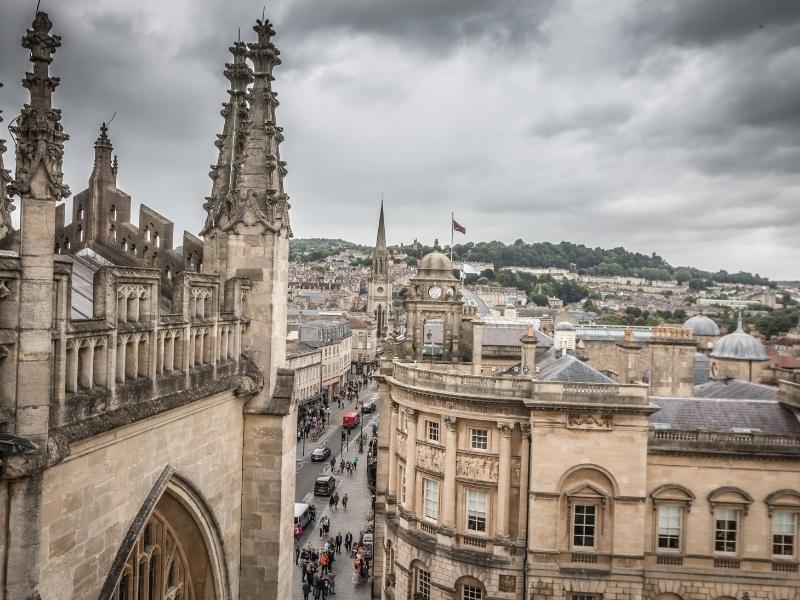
x,y
516,470
475,466
401,445
589,421
430,458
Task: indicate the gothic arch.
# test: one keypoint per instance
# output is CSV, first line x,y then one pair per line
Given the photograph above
x,y
176,501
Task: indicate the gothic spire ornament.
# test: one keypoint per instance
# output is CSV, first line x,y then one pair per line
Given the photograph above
x,y
6,207
37,131
260,204
231,141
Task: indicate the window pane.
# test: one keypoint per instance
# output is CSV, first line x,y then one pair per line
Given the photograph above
x,y
424,584
725,529
583,525
476,510
783,533
472,593
669,527
431,490
479,439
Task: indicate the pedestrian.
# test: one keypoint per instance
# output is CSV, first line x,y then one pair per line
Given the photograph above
x,y
332,581
336,501
333,465
348,541
296,552
321,526
330,502
355,463
306,590
338,541
344,502
341,465
327,525
319,590
323,562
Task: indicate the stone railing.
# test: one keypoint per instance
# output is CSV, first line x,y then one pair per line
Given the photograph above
x,y
721,442
129,353
590,393
460,383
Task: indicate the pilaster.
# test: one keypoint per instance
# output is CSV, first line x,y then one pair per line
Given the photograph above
x,y
450,454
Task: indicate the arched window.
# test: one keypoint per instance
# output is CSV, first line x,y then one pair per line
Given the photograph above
x,y
113,212
155,239
469,588
146,234
79,213
133,248
125,245
588,510
80,233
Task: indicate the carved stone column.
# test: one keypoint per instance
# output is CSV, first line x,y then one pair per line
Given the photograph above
x,y
392,487
504,478
411,460
450,452
525,455
477,347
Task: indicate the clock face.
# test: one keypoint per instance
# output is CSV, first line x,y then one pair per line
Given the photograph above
x,y
380,290
434,291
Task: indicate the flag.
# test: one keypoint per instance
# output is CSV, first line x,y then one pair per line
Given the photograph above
x,y
459,227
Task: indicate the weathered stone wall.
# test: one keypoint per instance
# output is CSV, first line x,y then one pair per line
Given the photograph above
x,y
92,497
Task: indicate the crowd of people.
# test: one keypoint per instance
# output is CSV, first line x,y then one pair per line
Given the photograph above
x,y
318,573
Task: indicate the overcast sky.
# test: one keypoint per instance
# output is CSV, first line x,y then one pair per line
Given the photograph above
x,y
662,126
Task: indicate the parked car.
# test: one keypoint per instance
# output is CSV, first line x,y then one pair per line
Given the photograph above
x,y
320,453
324,485
351,419
369,406
302,514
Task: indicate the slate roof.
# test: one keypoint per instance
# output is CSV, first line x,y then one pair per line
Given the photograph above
x,y
735,389
510,336
725,415
570,369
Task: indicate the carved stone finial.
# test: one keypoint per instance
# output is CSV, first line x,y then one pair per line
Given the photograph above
x,y
39,135
505,429
6,206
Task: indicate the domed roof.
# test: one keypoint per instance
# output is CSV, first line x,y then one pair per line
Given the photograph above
x,y
564,326
739,346
702,325
435,265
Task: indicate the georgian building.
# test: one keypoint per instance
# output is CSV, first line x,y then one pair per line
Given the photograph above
x,y
148,424
560,483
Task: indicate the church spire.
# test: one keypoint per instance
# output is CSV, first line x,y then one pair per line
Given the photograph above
x,y
260,202
37,131
6,207
380,255
380,243
231,141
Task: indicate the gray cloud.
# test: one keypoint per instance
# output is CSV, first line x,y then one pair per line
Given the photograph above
x,y
663,126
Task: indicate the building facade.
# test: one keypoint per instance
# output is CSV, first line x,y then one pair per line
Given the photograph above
x,y
334,339
147,420
560,483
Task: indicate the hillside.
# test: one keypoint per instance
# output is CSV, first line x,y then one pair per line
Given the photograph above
x,y
583,259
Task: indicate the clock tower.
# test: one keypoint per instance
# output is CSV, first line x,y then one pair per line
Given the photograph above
x,y
379,288
433,303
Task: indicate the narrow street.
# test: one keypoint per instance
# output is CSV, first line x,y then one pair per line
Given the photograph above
x,y
359,505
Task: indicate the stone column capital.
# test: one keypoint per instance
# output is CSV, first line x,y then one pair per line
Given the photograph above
x,y
450,422
505,429
526,430
395,406
411,414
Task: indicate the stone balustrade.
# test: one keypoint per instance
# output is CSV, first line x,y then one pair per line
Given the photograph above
x,y
130,352
461,383
716,442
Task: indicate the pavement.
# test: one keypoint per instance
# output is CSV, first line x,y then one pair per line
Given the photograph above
x,y
359,506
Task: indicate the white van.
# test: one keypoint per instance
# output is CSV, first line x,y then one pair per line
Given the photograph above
x,y
302,514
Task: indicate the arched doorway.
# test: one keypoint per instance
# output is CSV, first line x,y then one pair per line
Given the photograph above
x,y
173,549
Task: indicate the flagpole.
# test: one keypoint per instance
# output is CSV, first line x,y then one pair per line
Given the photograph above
x,y
452,220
